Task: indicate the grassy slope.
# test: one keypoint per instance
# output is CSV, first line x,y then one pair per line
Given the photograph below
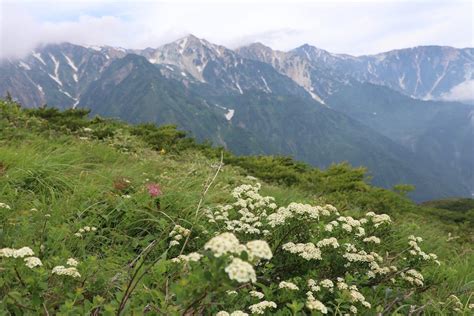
x,y
72,179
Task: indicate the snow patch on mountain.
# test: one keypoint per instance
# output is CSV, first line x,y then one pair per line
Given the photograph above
x,y
266,85
238,87
40,88
182,45
56,70
70,63
24,65
38,56
229,114
66,94
401,81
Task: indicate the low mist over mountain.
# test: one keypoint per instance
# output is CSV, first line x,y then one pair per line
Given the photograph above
x,y
388,112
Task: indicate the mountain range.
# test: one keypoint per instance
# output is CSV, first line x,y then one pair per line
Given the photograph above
x,y
391,112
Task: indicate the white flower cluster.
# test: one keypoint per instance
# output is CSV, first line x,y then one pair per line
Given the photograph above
x,y
361,256
227,243
379,219
247,212
5,206
313,285
16,253
241,271
260,308
341,285
72,262
314,304
353,309
24,252
372,239
415,250
300,211
32,262
257,294
288,285
328,284
348,222
85,229
328,242
258,249
193,256
413,277
235,313
177,234
223,244
307,251
456,305
71,270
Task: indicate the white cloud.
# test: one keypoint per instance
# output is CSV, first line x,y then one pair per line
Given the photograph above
x,y
354,27
462,92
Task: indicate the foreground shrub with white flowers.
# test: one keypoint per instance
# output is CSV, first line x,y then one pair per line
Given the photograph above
x,y
295,259
95,222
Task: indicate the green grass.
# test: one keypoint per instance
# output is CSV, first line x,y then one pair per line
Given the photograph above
x,y
72,182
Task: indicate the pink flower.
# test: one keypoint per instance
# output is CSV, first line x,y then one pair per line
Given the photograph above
x,y
154,189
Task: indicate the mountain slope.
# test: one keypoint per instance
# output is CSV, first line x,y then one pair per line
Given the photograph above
x,y
55,74
261,123
259,101
440,134
424,72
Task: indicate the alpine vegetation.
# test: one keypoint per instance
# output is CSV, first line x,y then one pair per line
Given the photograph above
x,y
103,218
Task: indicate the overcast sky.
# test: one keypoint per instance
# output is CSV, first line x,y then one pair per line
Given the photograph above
x,y
352,27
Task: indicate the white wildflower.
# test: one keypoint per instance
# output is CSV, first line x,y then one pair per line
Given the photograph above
x,y
16,253
328,242
259,249
32,262
327,283
307,251
193,257
72,262
174,243
314,304
372,239
257,294
222,244
288,285
356,296
5,206
71,271
241,271
260,308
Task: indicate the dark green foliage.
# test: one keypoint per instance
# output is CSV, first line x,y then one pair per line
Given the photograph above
x,y
165,137
71,119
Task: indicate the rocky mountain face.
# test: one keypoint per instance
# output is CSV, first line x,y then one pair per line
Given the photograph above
x,y
55,74
308,103
426,72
